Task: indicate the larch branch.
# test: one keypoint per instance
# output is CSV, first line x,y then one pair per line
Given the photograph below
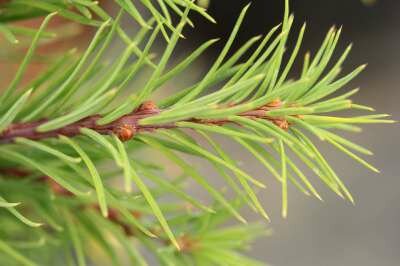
x,y
127,126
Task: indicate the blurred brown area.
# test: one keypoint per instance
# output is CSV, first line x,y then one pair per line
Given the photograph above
x,y
67,35
9,63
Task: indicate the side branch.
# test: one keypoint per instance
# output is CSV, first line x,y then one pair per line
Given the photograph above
x,y
128,125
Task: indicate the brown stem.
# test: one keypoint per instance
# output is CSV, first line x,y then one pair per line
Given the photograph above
x,y
126,126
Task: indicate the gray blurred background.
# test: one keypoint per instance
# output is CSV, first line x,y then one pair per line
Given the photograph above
x,y
334,232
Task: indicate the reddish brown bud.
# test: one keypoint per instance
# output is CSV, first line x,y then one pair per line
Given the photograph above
x,y
274,103
147,106
125,132
186,243
113,214
282,123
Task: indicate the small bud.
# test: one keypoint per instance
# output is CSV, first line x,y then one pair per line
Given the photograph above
x,y
186,243
147,106
274,103
125,132
113,214
282,123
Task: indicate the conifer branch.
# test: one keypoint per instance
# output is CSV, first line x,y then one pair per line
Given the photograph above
x,y
246,97
128,125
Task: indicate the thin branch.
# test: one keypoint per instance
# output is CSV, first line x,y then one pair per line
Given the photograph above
x,y
128,125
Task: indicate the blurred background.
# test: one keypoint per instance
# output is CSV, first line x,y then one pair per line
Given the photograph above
x,y
334,232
